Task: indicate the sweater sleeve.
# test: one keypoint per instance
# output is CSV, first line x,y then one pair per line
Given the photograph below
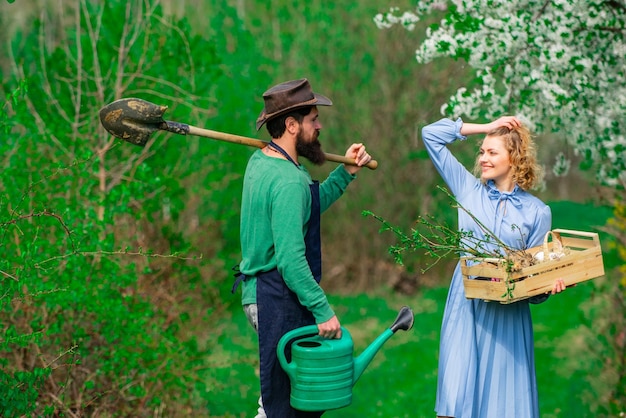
x,y
436,137
334,186
291,209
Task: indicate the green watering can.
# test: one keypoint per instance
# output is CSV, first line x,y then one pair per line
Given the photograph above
x,y
322,371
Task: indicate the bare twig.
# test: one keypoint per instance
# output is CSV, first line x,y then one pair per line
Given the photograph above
x,y
10,276
140,252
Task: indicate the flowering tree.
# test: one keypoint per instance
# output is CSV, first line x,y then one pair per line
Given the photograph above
x,y
558,64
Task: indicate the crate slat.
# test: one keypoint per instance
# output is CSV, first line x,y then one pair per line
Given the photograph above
x,y
582,262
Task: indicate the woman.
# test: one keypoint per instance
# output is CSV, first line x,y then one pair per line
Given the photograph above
x,y
486,358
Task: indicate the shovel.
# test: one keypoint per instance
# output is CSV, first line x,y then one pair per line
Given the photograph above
x,y
135,120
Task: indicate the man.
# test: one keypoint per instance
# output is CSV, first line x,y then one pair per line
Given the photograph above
x,y
280,232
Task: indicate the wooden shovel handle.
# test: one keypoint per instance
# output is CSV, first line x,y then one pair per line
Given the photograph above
x,y
243,140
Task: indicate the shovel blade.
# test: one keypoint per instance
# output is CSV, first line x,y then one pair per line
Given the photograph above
x,y
133,120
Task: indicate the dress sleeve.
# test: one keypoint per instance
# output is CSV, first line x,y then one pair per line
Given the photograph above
x,y
543,224
436,137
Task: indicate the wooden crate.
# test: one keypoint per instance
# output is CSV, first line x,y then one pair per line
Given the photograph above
x,y
582,261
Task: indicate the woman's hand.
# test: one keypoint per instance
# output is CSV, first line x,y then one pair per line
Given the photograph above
x,y
510,122
559,286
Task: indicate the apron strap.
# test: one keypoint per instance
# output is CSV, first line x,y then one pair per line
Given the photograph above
x,y
239,277
312,239
278,148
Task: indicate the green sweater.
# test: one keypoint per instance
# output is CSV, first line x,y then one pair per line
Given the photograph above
x,y
275,211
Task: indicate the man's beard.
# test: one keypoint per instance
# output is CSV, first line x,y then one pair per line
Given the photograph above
x,y
311,150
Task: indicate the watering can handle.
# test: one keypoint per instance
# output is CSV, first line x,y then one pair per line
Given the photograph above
x,y
282,344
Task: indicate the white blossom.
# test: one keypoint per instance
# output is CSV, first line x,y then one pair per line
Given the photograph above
x,y
561,165
561,63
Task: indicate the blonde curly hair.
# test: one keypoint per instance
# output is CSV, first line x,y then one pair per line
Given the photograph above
x,y
527,173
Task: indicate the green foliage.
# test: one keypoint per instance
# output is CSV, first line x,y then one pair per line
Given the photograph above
x,y
611,348
65,305
20,390
94,231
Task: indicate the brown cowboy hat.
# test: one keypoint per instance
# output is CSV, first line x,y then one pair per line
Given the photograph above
x,y
288,96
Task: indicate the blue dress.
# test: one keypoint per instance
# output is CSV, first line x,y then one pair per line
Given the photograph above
x,y
486,356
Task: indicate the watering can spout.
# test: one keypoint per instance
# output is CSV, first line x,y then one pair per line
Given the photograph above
x,y
404,321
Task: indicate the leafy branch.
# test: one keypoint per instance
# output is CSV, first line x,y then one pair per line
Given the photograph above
x,y
439,241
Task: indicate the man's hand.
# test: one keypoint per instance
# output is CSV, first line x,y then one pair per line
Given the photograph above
x,y
330,328
357,153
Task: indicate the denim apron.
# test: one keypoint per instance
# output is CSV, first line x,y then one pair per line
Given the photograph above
x,y
280,312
